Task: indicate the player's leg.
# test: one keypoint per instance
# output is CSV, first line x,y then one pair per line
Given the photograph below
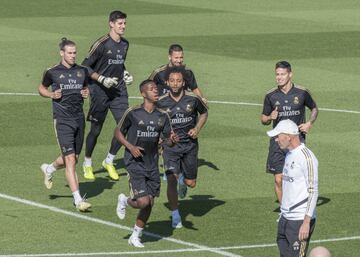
x,y
49,169
172,156
189,168
275,165
296,247
117,106
71,136
97,113
139,198
281,239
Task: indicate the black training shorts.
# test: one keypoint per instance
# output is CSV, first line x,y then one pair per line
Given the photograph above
x,y
182,158
102,100
70,134
143,183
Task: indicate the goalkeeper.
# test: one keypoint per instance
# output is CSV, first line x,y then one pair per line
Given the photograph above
x,y
106,65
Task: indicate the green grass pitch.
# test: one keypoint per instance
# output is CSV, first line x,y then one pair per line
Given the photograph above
x,y
232,47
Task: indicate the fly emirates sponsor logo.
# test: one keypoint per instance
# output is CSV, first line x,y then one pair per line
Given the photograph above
x,y
287,112
180,118
71,85
150,132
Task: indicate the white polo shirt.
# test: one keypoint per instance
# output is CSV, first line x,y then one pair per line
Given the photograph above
x,y
300,184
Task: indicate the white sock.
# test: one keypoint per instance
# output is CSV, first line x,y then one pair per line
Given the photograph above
x,y
109,158
137,231
77,197
175,213
87,162
50,169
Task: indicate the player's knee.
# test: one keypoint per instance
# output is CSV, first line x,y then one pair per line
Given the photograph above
x,y
95,129
143,202
190,183
171,178
70,159
278,181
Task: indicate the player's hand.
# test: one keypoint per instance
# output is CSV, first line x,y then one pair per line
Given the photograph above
x,y
305,127
85,92
304,231
174,137
274,114
107,81
193,133
56,94
128,78
136,151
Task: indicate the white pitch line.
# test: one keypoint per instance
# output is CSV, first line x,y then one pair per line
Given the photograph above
x,y
213,102
111,224
176,250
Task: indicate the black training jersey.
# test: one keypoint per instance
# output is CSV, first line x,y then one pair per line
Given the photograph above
x,y
159,77
71,81
290,106
183,114
107,57
144,129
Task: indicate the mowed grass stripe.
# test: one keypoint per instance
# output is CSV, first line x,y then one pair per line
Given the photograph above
x,y
111,224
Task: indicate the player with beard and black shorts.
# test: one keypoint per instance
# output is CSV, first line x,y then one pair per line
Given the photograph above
x,y
68,82
188,114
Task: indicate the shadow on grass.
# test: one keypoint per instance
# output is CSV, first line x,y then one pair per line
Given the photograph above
x,y
198,206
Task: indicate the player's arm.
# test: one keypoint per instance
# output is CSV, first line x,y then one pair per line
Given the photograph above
x,y
44,87
310,103
94,56
269,114
169,137
85,92
310,173
120,132
203,110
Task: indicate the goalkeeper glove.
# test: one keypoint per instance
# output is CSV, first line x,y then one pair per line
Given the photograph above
x,y
128,78
107,81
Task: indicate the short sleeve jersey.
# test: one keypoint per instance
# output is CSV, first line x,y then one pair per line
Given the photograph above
x,y
144,129
107,57
290,106
183,114
159,77
71,81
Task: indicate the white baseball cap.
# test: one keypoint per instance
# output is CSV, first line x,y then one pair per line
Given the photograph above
x,y
286,127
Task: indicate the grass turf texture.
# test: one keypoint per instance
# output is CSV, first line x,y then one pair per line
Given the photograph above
x,y
232,47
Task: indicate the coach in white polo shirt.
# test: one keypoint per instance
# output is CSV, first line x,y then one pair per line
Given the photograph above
x,y
300,191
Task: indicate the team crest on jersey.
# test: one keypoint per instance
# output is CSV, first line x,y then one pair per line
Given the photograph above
x,y
141,122
292,165
296,100
109,52
160,122
61,76
189,108
79,74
